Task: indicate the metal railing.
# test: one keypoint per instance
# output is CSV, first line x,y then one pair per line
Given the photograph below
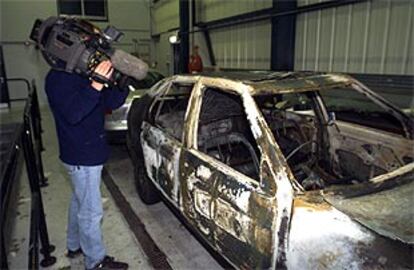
x,y
28,139
35,122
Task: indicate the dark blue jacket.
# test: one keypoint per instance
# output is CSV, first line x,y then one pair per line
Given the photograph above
x,y
79,112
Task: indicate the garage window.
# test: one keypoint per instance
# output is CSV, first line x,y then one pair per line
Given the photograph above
x,y
88,9
168,111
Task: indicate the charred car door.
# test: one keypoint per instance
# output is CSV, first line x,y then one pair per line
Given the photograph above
x,y
228,189
162,137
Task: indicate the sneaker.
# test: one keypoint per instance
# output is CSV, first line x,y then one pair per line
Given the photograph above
x,y
109,263
71,254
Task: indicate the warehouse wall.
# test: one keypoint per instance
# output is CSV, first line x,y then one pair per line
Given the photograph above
x,y
164,17
17,17
371,37
209,10
244,46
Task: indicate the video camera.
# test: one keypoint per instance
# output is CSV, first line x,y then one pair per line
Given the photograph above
x,y
75,45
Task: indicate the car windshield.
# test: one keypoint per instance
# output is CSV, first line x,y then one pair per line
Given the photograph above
x,y
349,105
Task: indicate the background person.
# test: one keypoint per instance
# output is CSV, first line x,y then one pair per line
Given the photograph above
x,y
196,63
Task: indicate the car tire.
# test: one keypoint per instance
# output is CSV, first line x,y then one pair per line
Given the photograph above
x,y
145,188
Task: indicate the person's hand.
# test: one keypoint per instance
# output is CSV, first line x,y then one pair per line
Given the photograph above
x,y
105,70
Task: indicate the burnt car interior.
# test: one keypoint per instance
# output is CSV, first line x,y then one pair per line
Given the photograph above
x,y
291,118
168,111
297,124
224,132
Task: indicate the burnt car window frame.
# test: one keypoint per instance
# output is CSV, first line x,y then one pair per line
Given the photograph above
x,y
233,134
196,100
407,124
158,103
268,160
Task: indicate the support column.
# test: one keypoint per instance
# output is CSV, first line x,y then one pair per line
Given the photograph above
x,y
184,35
210,50
283,36
4,90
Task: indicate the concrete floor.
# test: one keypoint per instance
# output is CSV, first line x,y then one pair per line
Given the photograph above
x,y
183,251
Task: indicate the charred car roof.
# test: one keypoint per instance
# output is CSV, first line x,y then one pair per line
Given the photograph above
x,y
266,83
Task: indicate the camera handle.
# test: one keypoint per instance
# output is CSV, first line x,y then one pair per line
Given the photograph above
x,y
101,79
117,79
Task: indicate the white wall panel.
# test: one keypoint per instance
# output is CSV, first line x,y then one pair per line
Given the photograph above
x,y
369,37
324,50
243,46
165,16
163,54
209,10
376,36
310,2
299,40
338,60
408,66
356,38
401,29
310,50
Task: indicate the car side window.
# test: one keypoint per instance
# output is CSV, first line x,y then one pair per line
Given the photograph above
x,y
291,102
224,132
168,110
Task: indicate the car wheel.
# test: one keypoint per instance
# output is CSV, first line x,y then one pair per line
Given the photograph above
x,y
145,188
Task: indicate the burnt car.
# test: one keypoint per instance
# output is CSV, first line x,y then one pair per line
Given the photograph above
x,y
280,170
116,120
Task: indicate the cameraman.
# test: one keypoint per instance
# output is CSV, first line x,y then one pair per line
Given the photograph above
x,y
78,106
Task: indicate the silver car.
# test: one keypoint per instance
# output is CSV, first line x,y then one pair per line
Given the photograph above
x,y
116,120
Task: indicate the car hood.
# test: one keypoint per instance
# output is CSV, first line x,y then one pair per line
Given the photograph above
x,y
323,237
384,204
364,226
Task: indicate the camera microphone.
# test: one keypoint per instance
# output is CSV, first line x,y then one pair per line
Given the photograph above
x,y
129,64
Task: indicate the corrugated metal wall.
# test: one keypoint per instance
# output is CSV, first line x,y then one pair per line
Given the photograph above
x,y
372,37
164,16
310,2
210,10
245,46
163,54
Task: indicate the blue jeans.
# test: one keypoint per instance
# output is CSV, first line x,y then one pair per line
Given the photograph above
x,y
85,213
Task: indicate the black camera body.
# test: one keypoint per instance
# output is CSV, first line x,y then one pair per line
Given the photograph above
x,y
75,45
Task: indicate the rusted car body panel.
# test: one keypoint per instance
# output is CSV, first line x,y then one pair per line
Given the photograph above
x,y
272,222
